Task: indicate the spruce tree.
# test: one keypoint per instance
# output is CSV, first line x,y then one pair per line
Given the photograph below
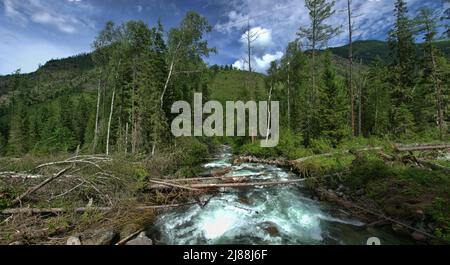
x,y
403,69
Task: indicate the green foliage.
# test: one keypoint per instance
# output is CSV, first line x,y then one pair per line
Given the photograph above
x,y
441,213
364,169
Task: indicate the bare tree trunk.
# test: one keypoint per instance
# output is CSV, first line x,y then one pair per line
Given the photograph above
x,y
289,96
94,146
360,100
169,76
109,121
126,138
437,89
133,112
166,85
111,111
350,58
269,114
360,110
249,47
39,186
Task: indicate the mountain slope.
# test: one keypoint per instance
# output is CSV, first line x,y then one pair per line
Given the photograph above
x,y
369,50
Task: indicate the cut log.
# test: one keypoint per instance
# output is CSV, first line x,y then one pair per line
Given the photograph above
x,y
410,148
39,186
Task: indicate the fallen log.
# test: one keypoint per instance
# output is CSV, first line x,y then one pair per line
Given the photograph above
x,y
303,159
215,173
128,238
411,148
241,185
84,209
252,159
17,175
432,165
236,185
69,162
39,186
347,204
212,178
161,183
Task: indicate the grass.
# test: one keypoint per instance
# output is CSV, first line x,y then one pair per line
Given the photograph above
x,y
233,86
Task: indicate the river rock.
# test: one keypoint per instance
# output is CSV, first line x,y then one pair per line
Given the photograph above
x,y
102,237
420,215
270,228
17,243
73,241
419,236
140,240
360,192
129,229
400,229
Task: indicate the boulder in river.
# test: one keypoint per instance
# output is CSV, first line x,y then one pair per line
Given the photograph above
x,y
129,229
102,237
360,192
270,228
73,241
140,240
419,236
17,243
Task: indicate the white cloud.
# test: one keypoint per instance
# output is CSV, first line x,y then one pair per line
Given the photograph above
x,y
263,63
48,19
260,64
283,18
61,15
262,37
240,64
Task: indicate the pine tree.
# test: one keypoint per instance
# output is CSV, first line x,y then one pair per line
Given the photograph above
x,y
18,133
378,104
333,103
317,34
403,70
427,21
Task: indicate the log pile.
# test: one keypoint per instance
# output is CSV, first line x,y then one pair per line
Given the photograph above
x,y
251,159
203,183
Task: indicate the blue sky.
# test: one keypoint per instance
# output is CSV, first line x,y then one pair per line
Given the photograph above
x,y
35,31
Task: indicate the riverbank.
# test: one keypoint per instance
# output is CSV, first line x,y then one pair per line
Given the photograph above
x,y
105,200
89,199
381,188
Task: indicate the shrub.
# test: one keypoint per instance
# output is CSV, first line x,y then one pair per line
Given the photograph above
x,y
364,169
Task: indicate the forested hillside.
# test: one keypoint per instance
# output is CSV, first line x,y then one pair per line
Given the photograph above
x,y
368,51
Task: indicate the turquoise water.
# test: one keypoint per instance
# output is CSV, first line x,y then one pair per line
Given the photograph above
x,y
271,215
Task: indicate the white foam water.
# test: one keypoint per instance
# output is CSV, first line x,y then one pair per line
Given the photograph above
x,y
264,215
